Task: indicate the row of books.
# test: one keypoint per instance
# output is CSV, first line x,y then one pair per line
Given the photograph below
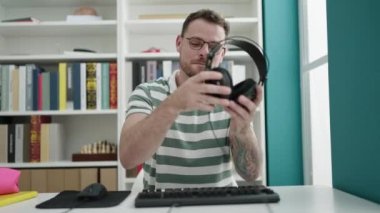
x,y
38,140
149,70
71,86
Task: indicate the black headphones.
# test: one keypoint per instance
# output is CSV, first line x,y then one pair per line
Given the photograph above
x,y
246,87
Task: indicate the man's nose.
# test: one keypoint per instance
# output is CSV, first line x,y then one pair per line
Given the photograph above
x,y
205,49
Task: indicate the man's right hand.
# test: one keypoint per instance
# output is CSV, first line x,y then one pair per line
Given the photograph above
x,y
195,94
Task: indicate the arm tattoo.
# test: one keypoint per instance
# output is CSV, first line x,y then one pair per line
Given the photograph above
x,y
245,160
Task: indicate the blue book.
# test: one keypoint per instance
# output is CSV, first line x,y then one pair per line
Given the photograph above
x,y
54,90
105,85
35,73
76,79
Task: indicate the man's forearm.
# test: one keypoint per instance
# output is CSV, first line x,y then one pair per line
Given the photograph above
x,y
140,141
246,155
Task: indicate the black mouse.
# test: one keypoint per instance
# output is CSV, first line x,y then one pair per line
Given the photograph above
x,y
94,191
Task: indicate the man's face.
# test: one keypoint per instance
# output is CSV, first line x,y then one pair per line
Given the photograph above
x,y
193,54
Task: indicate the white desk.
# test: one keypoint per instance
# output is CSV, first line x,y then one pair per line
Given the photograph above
x,y
294,199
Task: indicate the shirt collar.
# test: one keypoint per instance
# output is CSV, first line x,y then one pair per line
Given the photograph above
x,y
173,82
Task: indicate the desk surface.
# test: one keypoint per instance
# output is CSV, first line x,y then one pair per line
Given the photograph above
x,y
294,199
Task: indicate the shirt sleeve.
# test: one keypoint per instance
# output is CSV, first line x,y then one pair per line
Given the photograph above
x,y
140,101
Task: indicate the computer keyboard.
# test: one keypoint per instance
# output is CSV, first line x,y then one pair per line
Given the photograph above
x,y
206,196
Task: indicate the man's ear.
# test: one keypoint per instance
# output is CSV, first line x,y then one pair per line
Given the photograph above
x,y
178,42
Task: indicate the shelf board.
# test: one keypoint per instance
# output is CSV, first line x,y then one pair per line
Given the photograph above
x,y
66,112
55,3
173,26
59,164
179,2
175,55
58,28
58,57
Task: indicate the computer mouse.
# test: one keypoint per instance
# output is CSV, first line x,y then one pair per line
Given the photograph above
x,y
94,191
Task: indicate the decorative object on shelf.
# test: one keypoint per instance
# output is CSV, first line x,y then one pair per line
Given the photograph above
x,y
23,19
99,151
79,51
152,50
84,14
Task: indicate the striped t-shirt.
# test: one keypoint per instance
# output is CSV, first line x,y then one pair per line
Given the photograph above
x,y
195,151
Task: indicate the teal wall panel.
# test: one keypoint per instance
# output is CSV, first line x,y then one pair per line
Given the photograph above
x,y
283,111
354,81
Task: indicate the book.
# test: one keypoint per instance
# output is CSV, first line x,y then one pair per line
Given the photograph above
x,y
82,18
163,16
113,85
23,19
35,136
62,89
91,85
54,91
7,199
105,85
76,79
11,143
3,143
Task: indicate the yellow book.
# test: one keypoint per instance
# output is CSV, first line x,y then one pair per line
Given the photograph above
x,y
16,197
62,76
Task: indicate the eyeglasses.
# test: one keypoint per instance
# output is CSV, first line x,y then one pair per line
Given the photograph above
x,y
197,43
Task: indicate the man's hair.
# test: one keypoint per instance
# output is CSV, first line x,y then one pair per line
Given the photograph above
x,y
209,16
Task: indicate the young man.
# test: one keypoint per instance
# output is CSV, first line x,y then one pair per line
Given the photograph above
x,y
183,134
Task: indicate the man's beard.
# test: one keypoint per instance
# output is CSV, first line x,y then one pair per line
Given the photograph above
x,y
188,69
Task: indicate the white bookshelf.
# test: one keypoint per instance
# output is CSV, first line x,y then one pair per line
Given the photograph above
x,y
50,41
121,36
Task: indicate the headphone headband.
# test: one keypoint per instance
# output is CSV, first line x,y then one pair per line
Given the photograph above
x,y
249,46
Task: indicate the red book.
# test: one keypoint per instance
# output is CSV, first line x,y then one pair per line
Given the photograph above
x,y
35,136
113,85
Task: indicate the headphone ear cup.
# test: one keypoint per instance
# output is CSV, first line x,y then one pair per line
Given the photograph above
x,y
225,81
246,87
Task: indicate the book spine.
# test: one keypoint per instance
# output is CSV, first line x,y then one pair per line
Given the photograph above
x,y
26,142
11,143
19,143
62,70
44,143
5,88
91,85
40,91
113,85
54,90
76,79
35,71
4,143
35,136
69,85
10,87
29,87
22,89
105,86
1,83
98,86
83,86
15,88
136,74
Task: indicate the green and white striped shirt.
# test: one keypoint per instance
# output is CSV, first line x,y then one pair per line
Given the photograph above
x,y
195,151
